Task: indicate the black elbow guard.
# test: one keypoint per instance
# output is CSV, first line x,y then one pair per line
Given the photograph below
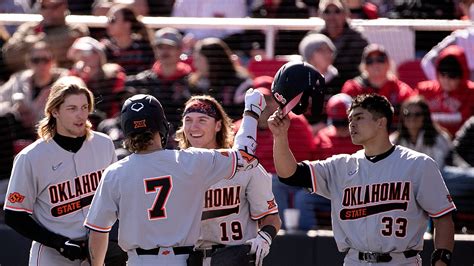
x,y
300,178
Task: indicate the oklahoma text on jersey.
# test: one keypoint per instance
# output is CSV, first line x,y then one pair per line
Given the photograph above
x,y
220,202
65,191
381,197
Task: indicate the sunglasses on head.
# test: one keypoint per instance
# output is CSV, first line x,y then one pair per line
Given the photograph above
x,y
450,75
375,59
37,60
328,11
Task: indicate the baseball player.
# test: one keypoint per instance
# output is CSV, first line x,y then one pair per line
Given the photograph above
x,y
156,193
233,209
381,197
54,179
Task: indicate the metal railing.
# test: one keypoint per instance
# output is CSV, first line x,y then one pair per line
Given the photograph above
x,y
268,26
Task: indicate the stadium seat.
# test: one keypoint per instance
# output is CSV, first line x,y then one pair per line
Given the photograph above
x,y
411,72
264,67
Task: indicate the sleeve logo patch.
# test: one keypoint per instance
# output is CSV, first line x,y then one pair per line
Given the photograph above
x,y
246,156
271,204
139,124
15,197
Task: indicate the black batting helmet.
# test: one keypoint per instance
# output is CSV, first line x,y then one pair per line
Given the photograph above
x,y
143,112
294,83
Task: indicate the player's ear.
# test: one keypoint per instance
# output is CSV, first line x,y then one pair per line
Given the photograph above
x,y
218,125
382,122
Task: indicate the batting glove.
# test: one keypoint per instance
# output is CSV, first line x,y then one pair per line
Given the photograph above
x,y
73,250
260,246
254,102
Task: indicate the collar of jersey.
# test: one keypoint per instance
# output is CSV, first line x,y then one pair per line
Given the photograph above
x,y
379,157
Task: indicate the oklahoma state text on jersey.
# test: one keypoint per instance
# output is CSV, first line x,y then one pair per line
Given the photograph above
x,y
388,202
374,198
65,192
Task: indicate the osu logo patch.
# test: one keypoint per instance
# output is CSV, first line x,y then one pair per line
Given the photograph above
x,y
166,252
15,197
271,204
139,123
247,157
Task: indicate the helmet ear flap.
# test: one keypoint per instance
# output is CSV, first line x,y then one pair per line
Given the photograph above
x,y
317,97
164,133
302,105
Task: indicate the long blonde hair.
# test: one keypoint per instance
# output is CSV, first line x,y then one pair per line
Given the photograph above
x,y
62,88
224,138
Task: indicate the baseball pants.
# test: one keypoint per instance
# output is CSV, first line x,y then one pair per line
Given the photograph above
x,y
41,255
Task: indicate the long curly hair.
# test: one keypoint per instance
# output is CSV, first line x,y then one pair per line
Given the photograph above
x,y
139,141
224,138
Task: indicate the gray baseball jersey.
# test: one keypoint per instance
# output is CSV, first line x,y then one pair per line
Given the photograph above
x,y
233,207
56,186
158,196
381,206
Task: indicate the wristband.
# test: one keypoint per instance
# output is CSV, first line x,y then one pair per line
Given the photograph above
x,y
441,254
252,114
270,230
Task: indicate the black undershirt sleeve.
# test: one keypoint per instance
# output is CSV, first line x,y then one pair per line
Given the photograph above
x,y
24,224
300,178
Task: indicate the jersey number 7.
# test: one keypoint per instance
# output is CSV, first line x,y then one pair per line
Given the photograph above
x,y
162,186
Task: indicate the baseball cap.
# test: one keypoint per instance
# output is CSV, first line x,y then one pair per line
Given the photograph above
x,y
141,113
337,106
372,48
323,4
263,84
313,42
169,36
87,44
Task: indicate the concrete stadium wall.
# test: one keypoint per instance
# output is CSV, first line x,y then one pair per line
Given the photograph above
x,y
287,250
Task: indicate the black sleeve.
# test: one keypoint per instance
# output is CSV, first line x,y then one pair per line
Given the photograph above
x,y
24,224
300,178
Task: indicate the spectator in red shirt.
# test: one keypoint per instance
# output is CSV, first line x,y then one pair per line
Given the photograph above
x,y
299,137
376,77
331,140
335,137
451,94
